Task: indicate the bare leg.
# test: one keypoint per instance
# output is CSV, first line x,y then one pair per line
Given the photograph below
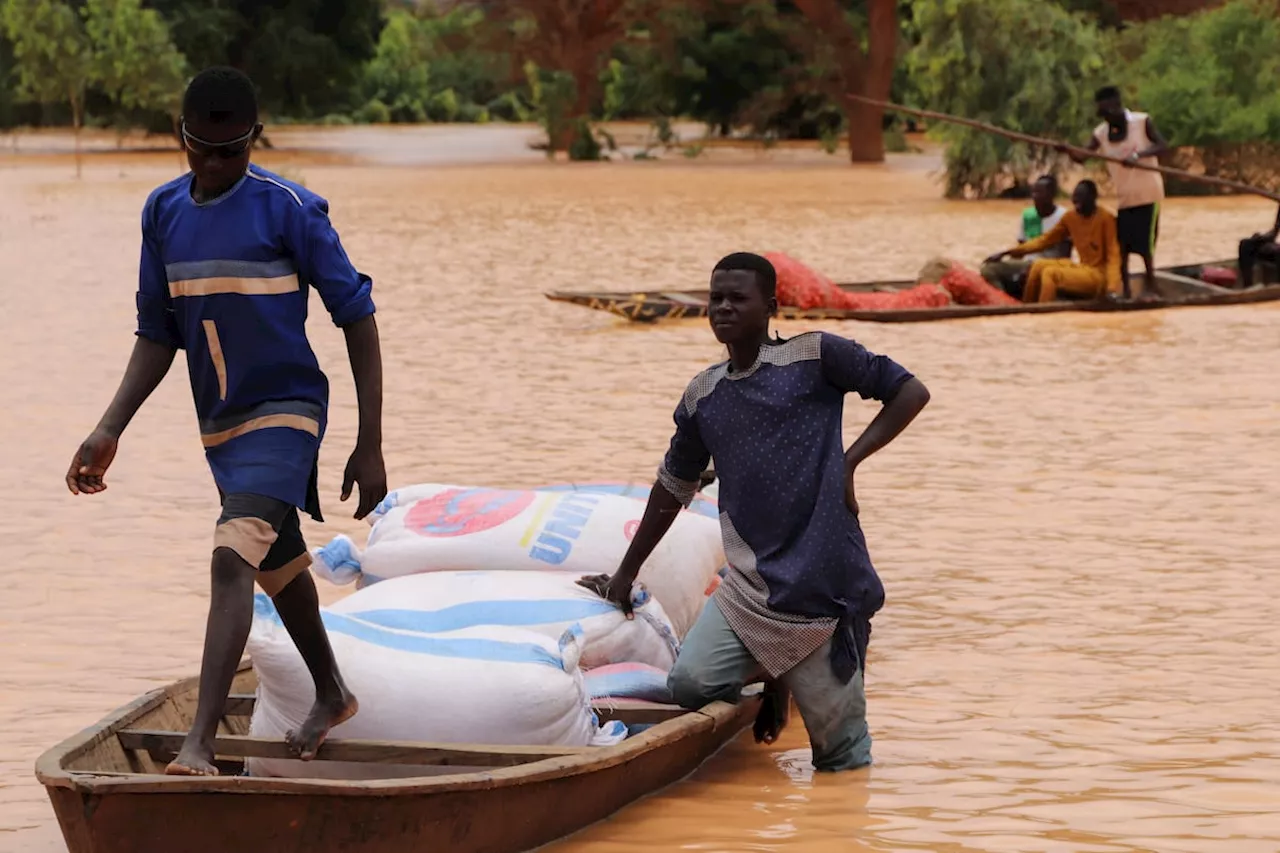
x,y
1149,281
1245,260
299,609
230,615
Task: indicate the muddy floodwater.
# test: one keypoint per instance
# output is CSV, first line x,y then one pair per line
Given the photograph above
x,y
1078,537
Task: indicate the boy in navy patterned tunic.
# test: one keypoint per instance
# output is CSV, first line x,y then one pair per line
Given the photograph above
x,y
796,604
229,252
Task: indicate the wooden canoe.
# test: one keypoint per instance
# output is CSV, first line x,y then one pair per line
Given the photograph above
x,y
1179,286
110,795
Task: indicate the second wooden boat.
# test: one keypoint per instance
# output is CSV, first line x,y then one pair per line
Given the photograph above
x,y
1179,287
110,795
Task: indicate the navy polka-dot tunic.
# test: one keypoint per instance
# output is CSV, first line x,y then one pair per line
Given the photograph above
x,y
799,571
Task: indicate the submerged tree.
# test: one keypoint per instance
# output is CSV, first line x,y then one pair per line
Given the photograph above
x,y
52,55
563,46
133,59
1024,65
1209,80
854,49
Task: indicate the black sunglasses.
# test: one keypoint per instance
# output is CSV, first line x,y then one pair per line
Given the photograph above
x,y
226,150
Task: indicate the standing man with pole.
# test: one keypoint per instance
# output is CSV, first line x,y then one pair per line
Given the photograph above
x,y
1132,137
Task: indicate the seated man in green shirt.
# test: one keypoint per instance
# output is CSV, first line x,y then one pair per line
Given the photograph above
x,y
1037,220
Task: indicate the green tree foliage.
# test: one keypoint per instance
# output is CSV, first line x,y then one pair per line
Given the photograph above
x,y
1209,79
1023,65
730,64
52,55
1101,12
428,65
134,61
399,75
8,104
307,57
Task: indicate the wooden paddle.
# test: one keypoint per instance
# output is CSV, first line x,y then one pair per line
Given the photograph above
x,y
1084,152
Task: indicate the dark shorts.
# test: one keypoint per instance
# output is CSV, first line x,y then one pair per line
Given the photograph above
x,y
265,533
1137,229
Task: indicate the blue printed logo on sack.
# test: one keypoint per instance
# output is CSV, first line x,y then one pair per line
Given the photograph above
x,y
570,516
460,512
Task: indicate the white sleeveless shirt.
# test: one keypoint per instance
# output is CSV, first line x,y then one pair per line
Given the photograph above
x,y
1134,187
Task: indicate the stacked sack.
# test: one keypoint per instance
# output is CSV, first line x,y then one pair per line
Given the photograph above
x,y
469,625
443,528
484,683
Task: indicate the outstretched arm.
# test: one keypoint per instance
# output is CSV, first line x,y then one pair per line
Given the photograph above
x,y
148,365
366,467
158,340
679,479
347,295
659,514
1053,237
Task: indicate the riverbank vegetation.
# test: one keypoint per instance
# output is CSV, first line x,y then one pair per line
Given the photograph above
x,y
758,70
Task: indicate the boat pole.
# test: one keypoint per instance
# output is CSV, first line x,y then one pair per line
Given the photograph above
x,y
1075,149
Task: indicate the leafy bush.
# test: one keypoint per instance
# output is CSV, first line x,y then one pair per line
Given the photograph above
x,y
443,106
374,112
472,114
1020,64
509,106
1209,78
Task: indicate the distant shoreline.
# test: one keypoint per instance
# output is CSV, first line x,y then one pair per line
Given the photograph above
x,y
437,145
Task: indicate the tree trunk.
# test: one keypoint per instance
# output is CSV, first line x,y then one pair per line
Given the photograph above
x,y
77,118
580,107
866,123
866,134
866,72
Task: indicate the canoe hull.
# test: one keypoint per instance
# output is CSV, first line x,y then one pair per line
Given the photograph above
x,y
1177,286
105,805
510,820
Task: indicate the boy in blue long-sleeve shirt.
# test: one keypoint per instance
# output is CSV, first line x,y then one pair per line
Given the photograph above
x,y
229,254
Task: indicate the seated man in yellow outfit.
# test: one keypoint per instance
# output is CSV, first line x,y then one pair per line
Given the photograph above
x,y
1093,232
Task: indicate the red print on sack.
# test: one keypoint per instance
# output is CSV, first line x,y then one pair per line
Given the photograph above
x,y
459,512
629,529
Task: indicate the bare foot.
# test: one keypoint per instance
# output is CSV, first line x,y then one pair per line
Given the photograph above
x,y
192,761
325,714
775,711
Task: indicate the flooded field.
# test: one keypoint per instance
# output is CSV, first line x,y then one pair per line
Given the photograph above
x,y
1078,653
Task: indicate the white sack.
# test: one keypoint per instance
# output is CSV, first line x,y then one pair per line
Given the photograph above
x,y
488,685
548,603
432,528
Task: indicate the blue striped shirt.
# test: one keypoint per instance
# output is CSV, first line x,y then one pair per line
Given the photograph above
x,y
228,280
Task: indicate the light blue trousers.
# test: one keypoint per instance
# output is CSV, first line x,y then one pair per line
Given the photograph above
x,y
714,665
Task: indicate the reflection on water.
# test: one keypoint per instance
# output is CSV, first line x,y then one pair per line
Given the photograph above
x,y
1078,537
